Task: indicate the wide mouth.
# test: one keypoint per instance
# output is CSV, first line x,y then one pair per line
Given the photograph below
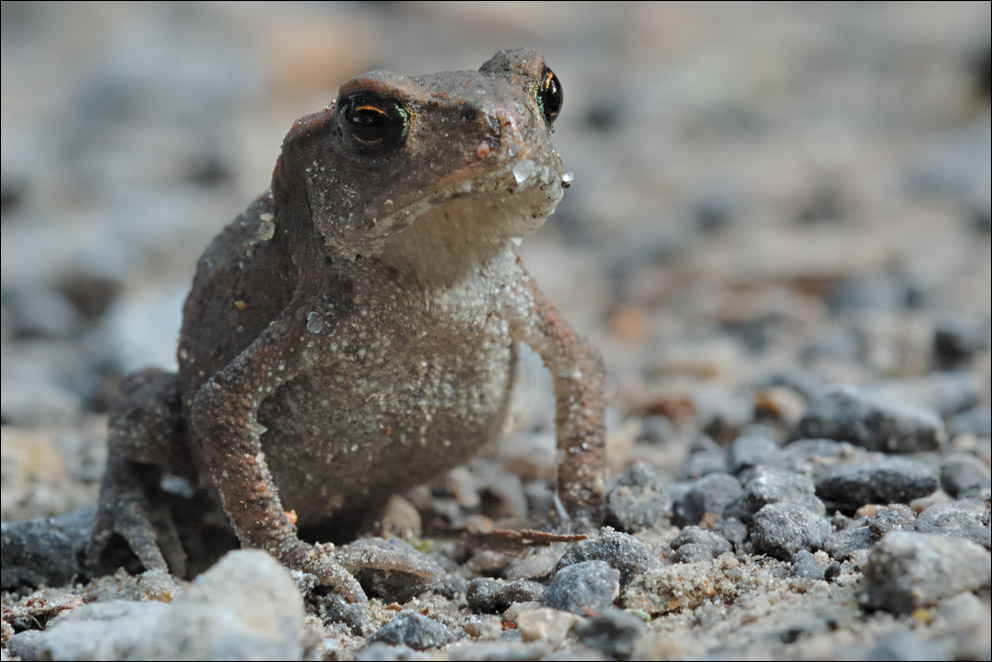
x,y
458,227
488,206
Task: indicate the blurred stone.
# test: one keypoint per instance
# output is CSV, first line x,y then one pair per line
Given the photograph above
x,y
765,485
963,471
44,552
494,596
749,451
411,629
621,551
245,607
908,570
709,542
870,421
967,518
885,481
782,529
544,624
613,632
976,421
710,494
805,565
638,500
590,584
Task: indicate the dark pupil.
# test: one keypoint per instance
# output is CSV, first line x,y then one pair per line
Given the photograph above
x,y
372,121
550,95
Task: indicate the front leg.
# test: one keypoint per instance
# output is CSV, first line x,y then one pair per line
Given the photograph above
x,y
225,420
577,370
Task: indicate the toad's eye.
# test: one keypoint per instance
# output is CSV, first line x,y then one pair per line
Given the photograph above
x,y
372,122
549,95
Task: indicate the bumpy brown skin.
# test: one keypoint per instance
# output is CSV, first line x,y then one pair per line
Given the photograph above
x,y
352,333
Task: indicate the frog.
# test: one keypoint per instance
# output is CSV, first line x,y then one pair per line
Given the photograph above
x,y
355,331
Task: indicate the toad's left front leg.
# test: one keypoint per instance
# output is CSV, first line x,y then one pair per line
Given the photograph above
x,y
577,370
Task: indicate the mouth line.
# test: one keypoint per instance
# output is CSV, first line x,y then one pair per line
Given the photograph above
x,y
515,179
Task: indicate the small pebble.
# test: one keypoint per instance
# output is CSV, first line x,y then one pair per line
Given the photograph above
x,y
832,571
709,494
765,485
614,632
976,421
590,584
842,544
415,630
967,518
907,570
750,450
732,530
805,565
870,421
782,529
494,596
335,608
638,500
884,481
710,543
380,651
619,550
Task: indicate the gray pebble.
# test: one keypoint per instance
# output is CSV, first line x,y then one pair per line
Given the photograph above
x,y
966,519
709,494
805,565
765,485
613,632
655,430
415,630
841,544
962,471
782,529
335,608
908,645
713,543
619,550
382,651
865,531
502,650
592,584
703,463
732,530
976,421
896,517
454,586
638,500
870,421
245,607
946,393
956,339
907,570
691,553
884,481
47,551
832,571
752,450
25,645
494,596
815,457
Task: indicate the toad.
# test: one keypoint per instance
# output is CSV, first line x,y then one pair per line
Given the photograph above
x,y
352,334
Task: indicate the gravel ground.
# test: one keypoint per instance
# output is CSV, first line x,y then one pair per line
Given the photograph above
x,y
780,231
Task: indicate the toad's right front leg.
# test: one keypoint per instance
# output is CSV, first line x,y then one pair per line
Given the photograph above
x,y
225,422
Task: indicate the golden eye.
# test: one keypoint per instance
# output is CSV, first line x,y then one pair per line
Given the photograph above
x,y
372,122
549,95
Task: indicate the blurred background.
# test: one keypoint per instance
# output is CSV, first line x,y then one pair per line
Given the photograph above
x,y
766,196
